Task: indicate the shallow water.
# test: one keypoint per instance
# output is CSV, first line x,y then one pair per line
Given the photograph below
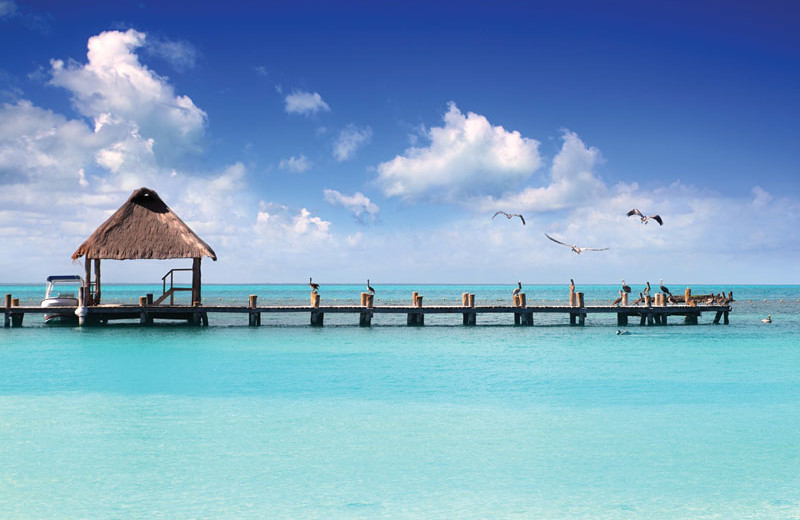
x,y
445,421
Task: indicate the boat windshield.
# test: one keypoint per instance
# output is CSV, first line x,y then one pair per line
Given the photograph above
x,y
63,286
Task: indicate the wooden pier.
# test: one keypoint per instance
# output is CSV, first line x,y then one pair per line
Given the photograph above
x,y
147,312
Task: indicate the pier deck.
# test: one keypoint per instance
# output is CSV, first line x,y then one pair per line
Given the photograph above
x,y
653,315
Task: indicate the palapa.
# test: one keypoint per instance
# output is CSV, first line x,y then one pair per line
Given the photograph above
x,y
144,228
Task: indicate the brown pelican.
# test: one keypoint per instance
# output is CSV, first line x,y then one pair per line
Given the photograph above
x,y
517,290
571,285
663,289
576,249
647,289
625,287
509,216
369,288
314,286
645,218
616,302
729,299
640,300
768,319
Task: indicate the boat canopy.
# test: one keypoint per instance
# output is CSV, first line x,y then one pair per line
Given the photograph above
x,y
64,278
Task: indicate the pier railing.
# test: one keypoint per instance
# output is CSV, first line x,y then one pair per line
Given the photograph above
x,y
172,289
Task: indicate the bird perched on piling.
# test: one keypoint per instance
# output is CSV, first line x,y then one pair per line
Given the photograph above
x,y
314,286
663,289
370,289
571,285
625,287
647,289
576,249
640,300
509,216
644,218
729,299
517,290
616,302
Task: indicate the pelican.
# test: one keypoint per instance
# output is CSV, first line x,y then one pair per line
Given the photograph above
x,y
645,218
369,288
622,332
647,289
616,302
571,285
729,299
509,216
625,287
314,286
768,319
663,289
517,290
640,300
576,249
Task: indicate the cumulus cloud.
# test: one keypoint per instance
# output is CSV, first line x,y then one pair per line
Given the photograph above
x,y
295,164
572,182
350,139
358,204
306,103
114,82
467,155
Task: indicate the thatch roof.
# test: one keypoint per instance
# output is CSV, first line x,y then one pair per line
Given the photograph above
x,y
144,228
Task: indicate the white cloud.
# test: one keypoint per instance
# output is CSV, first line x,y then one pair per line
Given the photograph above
x,y
358,204
350,139
573,182
113,82
7,8
181,54
300,102
466,156
295,164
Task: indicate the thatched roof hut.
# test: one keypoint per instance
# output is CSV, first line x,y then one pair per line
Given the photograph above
x,y
143,228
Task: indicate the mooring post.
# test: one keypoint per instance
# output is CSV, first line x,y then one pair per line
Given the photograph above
x,y
582,304
317,318
468,301
144,316
624,302
573,300
255,316
7,313
365,317
687,296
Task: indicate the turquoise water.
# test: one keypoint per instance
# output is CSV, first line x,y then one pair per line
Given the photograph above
x,y
445,421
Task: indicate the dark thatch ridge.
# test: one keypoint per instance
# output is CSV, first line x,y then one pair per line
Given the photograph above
x,y
144,228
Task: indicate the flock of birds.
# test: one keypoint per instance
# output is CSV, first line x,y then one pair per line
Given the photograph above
x,y
578,249
720,299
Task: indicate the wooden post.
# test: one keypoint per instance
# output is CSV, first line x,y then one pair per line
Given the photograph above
x,y
725,318
315,299
717,317
365,319
643,320
622,319
414,296
7,314
472,300
149,299
8,301
144,316
522,301
469,318
464,299
624,299
419,302
573,299
581,303
363,299
196,282
370,300
690,319
317,318
573,317
649,318
254,317
97,289
687,296
87,281
647,301
580,300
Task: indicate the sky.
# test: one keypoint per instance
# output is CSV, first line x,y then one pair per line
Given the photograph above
x,y
376,139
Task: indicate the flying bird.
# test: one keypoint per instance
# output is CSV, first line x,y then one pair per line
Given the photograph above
x,y
509,216
625,287
314,286
576,249
369,288
663,289
645,218
517,290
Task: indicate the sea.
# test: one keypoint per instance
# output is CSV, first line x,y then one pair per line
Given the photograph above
x,y
289,421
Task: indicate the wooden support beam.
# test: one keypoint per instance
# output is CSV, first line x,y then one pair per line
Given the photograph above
x,y
643,320
690,319
469,318
87,281
365,319
317,318
573,318
622,319
197,290
97,290
717,317
725,318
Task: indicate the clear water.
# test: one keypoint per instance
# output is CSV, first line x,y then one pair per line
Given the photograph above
x,y
445,421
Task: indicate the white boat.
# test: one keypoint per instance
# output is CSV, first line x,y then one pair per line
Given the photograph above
x,y
62,291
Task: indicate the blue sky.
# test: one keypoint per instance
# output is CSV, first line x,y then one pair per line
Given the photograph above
x,y
347,140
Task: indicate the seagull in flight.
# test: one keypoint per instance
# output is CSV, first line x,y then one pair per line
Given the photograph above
x,y
576,249
645,218
509,216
